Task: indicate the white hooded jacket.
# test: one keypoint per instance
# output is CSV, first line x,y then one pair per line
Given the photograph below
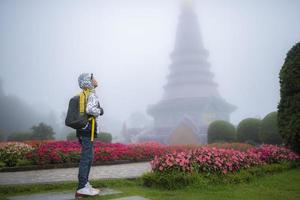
x,y
93,104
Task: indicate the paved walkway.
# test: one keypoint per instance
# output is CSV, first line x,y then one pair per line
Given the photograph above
x,y
70,196
131,170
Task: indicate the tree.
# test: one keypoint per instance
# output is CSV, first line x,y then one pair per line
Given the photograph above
x,y
289,105
221,131
248,131
269,129
42,132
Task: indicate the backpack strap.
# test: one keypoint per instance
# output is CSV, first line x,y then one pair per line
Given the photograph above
x,y
82,100
92,119
82,104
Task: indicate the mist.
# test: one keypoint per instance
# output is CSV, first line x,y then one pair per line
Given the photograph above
x,y
45,45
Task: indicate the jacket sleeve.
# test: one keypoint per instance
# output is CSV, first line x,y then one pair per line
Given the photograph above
x,y
93,106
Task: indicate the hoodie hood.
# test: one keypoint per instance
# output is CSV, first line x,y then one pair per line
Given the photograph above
x,y
84,81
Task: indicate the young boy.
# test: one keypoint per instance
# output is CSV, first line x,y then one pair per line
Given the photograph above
x,y
88,84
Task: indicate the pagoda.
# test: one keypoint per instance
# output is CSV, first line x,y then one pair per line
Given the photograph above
x,y
190,96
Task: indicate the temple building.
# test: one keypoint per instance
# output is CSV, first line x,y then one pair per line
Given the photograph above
x,y
191,100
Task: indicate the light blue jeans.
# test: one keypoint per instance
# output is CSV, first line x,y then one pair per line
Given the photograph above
x,y
86,160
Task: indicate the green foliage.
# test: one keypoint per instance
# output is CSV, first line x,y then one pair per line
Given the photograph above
x,y
2,164
248,131
42,132
221,131
289,105
178,180
19,136
23,162
72,136
269,133
247,175
172,180
104,137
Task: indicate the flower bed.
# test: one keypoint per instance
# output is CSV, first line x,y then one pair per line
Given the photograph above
x,y
69,152
235,146
220,161
11,152
214,158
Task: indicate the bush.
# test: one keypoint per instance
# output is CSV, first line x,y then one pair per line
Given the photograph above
x,y
269,133
248,131
19,136
221,131
71,136
104,137
11,152
289,105
2,164
173,180
23,162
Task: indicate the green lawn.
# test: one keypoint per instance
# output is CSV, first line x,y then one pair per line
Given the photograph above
x,y
284,185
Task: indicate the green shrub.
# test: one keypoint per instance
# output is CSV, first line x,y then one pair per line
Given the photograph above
x,y
269,133
2,164
72,136
173,180
104,137
23,162
289,105
248,131
221,131
74,157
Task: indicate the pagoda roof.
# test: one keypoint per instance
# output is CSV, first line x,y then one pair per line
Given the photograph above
x,y
195,104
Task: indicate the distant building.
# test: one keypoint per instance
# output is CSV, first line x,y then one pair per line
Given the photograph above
x,y
191,99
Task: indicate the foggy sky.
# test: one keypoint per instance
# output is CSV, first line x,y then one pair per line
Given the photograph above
x,y
45,45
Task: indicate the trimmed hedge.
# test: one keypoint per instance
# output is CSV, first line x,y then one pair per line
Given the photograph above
x,y
248,131
221,131
269,133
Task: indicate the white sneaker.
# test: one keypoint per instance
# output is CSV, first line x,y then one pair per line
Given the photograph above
x,y
85,192
91,187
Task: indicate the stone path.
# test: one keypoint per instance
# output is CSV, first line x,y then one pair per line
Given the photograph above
x,y
131,170
70,196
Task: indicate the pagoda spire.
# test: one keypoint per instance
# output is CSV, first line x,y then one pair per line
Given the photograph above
x,y
190,74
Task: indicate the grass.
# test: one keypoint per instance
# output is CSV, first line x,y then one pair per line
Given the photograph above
x,y
284,185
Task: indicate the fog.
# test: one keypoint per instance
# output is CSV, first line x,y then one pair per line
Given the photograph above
x,y
45,45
